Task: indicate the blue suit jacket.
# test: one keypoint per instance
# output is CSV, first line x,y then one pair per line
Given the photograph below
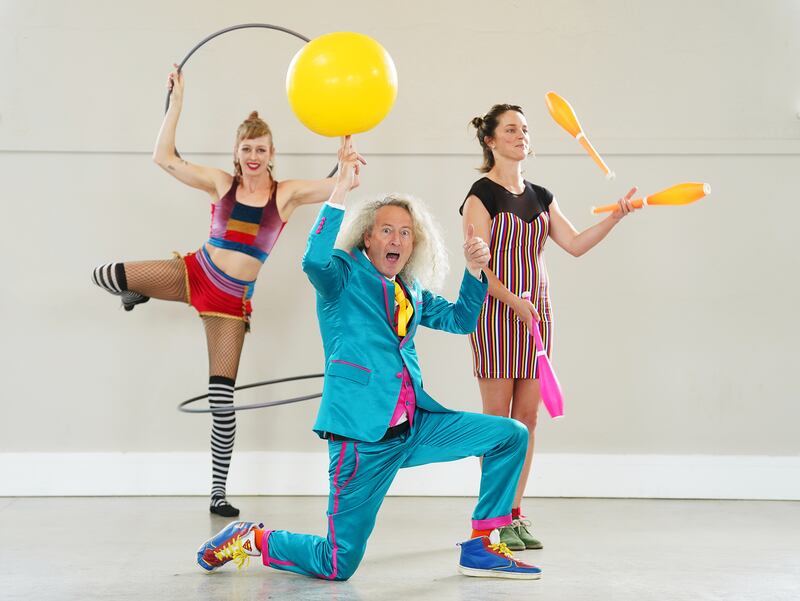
x,y
364,357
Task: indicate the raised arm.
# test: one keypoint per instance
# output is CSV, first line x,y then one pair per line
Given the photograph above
x,y
577,243
327,273
208,179
299,192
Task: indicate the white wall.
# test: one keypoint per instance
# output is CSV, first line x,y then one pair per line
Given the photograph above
x,y
676,337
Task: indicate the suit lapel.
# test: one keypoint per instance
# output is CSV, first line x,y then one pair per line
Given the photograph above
x,y
387,292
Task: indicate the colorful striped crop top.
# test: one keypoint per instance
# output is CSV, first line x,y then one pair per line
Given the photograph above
x,y
249,230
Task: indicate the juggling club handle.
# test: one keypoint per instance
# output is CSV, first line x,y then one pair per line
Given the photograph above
x,y
536,335
637,203
587,145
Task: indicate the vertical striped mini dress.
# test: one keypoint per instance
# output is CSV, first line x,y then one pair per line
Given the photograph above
x,y
501,344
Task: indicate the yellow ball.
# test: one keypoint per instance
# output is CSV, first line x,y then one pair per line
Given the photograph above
x,y
341,83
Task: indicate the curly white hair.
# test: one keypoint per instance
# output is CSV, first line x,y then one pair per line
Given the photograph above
x,y
428,262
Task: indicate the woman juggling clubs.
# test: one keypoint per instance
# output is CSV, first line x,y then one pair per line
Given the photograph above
x,y
517,217
249,209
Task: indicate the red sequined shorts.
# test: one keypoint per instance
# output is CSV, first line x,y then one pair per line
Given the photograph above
x,y
213,292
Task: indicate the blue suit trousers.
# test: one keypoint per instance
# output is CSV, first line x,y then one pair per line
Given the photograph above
x,y
361,473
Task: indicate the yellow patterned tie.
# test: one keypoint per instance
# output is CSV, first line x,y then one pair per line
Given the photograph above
x,y
404,309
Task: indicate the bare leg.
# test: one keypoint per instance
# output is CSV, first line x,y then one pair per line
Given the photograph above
x,y
518,399
496,395
525,409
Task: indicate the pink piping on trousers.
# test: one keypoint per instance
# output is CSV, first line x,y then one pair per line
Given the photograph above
x,y
265,557
336,506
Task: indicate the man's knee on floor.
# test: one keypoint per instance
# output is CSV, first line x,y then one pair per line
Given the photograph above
x,y
346,560
345,569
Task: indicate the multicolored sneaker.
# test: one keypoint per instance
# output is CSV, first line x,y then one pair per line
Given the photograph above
x,y
521,529
482,559
236,541
510,538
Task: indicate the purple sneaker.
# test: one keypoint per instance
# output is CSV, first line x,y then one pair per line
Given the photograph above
x,y
479,557
236,541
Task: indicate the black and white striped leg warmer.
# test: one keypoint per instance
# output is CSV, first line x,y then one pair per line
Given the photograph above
x,y
111,278
223,432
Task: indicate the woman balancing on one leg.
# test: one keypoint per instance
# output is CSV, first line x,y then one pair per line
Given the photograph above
x,y
248,211
517,217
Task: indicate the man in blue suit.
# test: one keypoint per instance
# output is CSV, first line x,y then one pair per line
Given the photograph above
x,y
375,412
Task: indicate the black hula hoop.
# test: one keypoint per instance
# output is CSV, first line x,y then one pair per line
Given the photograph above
x,y
184,405
234,28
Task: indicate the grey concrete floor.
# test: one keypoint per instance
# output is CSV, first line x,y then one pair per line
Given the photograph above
x,y
595,549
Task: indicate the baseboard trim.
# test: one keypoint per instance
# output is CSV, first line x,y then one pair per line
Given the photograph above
x,y
277,473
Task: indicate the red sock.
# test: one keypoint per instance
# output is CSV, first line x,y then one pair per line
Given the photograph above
x,y
478,533
259,536
516,512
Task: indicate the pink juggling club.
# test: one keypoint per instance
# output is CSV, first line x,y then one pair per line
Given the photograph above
x,y
549,388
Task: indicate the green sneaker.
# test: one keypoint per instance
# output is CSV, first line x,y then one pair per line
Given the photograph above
x,y
520,528
509,537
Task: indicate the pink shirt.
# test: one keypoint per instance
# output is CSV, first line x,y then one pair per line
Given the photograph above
x,y
406,402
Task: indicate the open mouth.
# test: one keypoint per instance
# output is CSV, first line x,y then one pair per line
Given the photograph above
x,y
392,257
253,166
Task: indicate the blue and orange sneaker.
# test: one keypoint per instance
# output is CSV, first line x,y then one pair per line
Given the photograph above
x,y
479,557
236,541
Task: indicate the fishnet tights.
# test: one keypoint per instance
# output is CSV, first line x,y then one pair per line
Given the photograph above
x,y
165,280
225,340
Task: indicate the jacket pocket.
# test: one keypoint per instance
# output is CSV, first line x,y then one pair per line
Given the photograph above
x,y
350,371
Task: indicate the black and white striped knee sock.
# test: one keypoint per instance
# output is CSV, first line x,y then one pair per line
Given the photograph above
x,y
111,278
223,432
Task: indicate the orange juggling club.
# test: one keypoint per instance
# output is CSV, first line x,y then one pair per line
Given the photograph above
x,y
679,194
562,113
